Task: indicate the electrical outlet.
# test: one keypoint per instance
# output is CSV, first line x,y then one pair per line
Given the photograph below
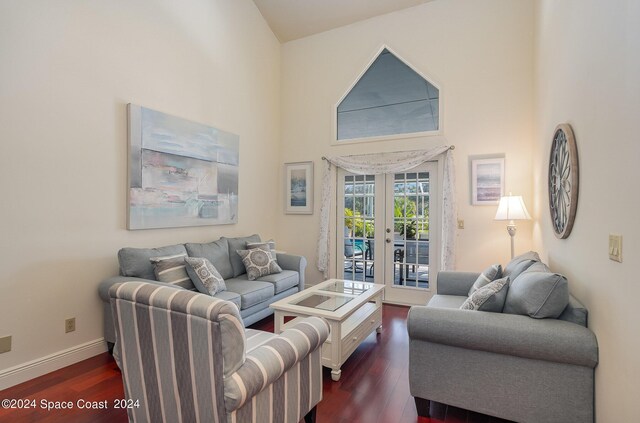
x,y
460,223
70,325
5,344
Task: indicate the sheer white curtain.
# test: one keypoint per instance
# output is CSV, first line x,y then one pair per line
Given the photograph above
x,y
379,163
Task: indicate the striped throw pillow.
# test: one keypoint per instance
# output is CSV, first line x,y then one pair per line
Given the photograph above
x,y
171,269
487,276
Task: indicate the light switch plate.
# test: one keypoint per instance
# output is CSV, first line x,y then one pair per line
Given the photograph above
x,y
460,223
615,247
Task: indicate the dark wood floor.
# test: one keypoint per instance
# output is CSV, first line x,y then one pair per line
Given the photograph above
x,y
374,386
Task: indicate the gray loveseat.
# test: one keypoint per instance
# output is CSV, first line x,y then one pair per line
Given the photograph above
x,y
251,297
506,365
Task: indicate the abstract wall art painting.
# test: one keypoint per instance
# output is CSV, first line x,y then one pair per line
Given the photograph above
x,y
298,188
487,180
181,173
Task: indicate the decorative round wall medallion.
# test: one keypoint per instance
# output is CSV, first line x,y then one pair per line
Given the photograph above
x,y
563,180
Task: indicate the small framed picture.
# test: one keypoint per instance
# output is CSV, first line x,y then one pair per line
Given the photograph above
x,y
487,180
298,187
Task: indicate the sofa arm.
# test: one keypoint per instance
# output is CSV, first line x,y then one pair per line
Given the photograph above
x,y
105,285
265,364
539,339
455,283
293,262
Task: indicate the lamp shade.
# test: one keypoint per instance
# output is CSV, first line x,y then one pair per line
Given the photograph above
x,y
512,207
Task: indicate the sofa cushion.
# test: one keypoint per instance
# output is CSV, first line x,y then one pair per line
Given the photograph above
x,y
490,297
172,270
251,292
136,262
575,312
229,296
537,294
487,276
282,281
204,276
446,301
236,244
259,262
519,264
217,252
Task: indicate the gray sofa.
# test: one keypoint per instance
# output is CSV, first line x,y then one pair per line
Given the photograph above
x,y
506,365
251,297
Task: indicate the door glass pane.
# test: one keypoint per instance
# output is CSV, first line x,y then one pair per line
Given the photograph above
x,y
411,230
359,223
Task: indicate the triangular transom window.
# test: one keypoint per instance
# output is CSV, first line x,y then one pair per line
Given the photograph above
x,y
389,99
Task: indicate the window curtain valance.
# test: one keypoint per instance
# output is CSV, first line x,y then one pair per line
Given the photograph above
x,y
382,163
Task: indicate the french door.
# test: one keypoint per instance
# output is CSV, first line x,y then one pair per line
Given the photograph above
x,y
388,231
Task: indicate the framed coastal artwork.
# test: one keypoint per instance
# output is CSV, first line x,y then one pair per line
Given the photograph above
x,y
298,188
181,173
487,179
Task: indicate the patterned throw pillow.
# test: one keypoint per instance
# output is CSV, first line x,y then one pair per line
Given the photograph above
x,y
258,262
490,297
171,269
267,245
204,276
489,275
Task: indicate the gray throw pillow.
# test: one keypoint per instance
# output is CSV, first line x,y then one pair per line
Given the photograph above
x,y
538,295
217,252
520,263
172,269
490,297
204,276
487,276
236,244
258,262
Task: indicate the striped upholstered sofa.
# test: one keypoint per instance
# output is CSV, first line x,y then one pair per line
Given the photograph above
x,y
187,357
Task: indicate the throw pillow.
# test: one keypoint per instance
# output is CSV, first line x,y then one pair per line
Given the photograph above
x,y
490,297
520,263
236,244
172,269
258,262
267,245
205,277
538,295
135,261
487,276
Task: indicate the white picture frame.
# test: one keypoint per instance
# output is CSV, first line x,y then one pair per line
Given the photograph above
x,y
487,180
298,188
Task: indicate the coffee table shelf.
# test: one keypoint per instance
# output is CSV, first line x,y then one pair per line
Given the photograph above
x,y
358,316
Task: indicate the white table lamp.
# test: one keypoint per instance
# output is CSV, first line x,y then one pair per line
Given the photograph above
x,y
512,208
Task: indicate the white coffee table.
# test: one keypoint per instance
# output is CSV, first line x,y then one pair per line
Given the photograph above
x,y
353,310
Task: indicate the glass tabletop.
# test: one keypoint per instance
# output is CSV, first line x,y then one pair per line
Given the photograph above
x,y
323,302
346,287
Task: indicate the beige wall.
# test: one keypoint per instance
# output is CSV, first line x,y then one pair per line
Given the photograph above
x,y
588,74
478,52
68,70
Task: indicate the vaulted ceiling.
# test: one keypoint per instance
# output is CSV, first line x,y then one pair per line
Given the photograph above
x,y
293,19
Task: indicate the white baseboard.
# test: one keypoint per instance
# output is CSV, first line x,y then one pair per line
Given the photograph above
x,y
41,366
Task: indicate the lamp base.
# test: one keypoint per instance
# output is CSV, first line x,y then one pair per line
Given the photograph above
x,y
511,229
